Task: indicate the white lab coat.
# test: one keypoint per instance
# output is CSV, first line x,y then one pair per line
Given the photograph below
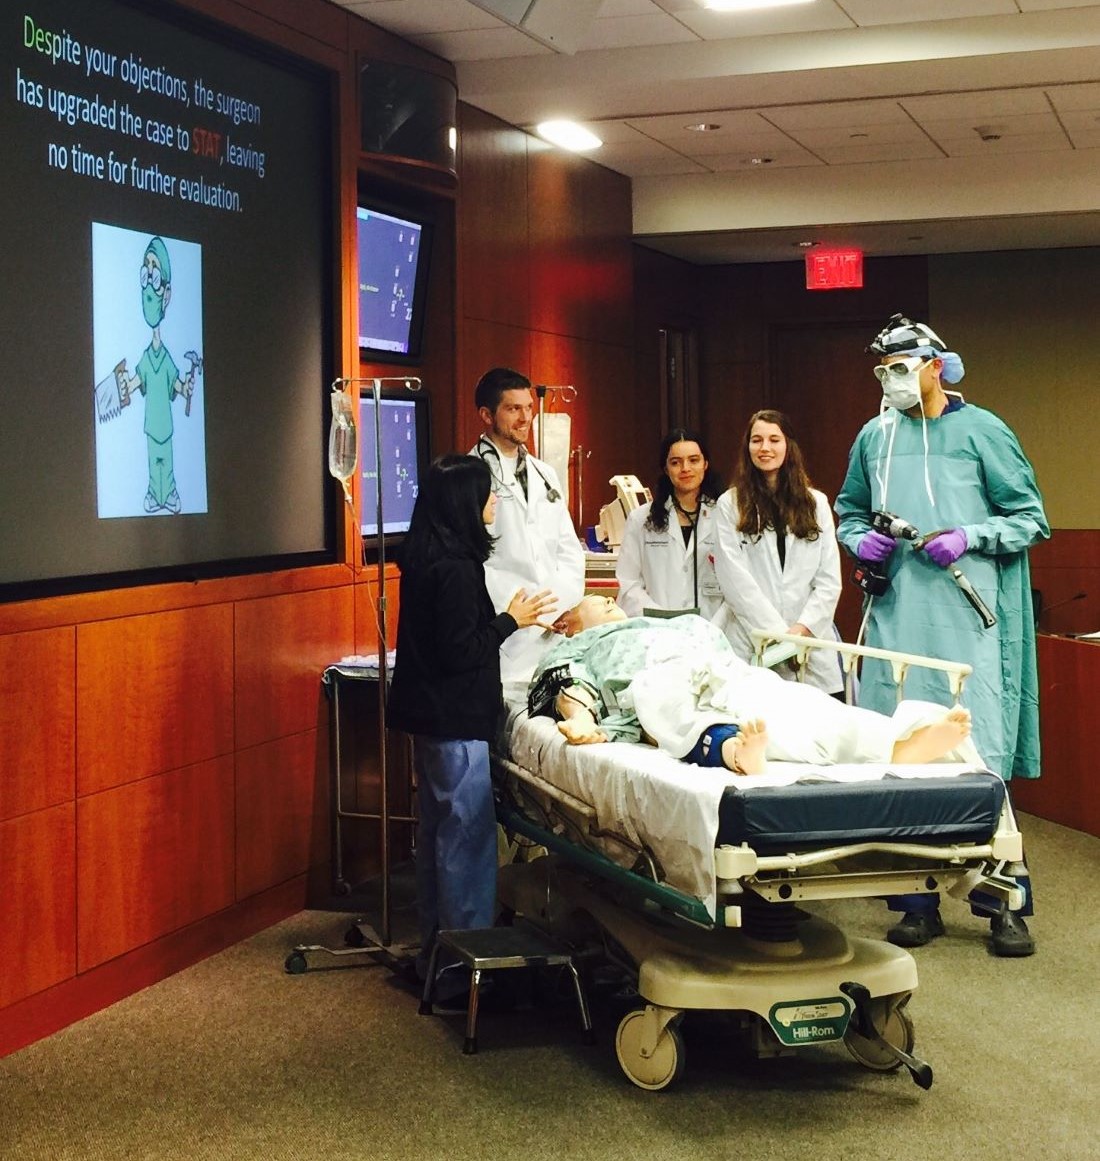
x,y
656,570
761,595
536,548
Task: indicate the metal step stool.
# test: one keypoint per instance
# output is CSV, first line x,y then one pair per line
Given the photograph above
x,y
492,949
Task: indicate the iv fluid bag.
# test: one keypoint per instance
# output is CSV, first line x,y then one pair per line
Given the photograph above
x,y
343,438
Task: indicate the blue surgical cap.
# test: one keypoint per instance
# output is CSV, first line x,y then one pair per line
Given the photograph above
x,y
902,336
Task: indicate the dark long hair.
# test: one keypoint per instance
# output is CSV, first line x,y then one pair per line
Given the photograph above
x,y
447,518
791,506
709,489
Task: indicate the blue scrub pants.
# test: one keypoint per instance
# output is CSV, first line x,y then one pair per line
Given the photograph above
x,y
456,848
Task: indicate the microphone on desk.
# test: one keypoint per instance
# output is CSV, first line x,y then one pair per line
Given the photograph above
x,y
1057,605
1067,601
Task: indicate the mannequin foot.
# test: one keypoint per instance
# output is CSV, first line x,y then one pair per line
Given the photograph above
x,y
744,752
930,743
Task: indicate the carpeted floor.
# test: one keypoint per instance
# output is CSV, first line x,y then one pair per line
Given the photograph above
x,y
236,1059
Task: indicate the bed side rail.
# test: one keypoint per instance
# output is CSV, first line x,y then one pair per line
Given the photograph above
x,y
900,663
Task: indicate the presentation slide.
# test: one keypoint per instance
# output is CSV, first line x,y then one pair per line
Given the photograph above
x,y
165,202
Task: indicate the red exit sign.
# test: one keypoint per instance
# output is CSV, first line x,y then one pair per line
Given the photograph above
x,y
834,270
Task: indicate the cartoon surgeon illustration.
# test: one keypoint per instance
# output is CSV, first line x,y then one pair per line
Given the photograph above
x,y
158,379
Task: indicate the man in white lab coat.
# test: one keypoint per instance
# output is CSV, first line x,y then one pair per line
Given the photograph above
x,y
536,545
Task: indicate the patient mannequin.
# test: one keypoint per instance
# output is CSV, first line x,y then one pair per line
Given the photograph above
x,y
677,684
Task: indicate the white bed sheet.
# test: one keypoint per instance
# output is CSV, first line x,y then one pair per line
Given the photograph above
x,y
652,799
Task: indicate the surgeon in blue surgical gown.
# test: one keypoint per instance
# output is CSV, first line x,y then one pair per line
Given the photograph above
x,y
957,472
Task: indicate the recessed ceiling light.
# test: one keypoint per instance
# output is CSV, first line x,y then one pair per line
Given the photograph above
x,y
746,5
703,127
761,160
569,135
807,244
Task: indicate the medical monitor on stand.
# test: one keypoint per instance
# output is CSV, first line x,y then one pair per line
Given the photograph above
x,y
404,449
394,250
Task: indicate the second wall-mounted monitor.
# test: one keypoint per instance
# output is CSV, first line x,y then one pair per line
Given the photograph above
x,y
405,430
394,254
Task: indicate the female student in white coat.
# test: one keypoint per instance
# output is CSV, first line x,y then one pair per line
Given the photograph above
x,y
666,560
777,559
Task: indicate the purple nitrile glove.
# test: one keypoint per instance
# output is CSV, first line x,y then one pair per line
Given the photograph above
x,y
946,548
875,546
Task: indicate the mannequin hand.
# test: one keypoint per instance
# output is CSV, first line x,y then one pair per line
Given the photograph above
x,y
581,730
947,547
800,630
875,546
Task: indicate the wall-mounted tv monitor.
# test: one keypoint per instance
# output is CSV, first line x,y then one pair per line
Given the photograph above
x,y
406,454
166,309
394,253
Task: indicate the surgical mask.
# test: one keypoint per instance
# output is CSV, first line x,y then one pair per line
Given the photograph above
x,y
900,382
152,306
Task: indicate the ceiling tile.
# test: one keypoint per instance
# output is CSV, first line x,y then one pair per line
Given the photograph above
x,y
1017,143
858,136
704,145
818,17
413,17
872,12
784,158
486,44
1047,5
839,114
645,162
1067,97
854,153
634,31
993,103
1086,138
968,129
1080,121
612,8
672,126
613,132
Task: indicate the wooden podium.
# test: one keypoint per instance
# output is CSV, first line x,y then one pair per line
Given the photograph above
x,y
1068,791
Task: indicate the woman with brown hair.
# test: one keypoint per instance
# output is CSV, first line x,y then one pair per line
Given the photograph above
x,y
777,558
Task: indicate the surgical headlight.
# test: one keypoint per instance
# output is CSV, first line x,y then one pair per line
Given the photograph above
x,y
892,372
901,336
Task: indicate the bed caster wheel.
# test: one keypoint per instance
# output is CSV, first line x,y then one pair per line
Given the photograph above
x,y
342,887
354,937
656,1069
295,963
897,1029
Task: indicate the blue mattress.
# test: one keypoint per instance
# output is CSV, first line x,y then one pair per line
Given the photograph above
x,y
812,813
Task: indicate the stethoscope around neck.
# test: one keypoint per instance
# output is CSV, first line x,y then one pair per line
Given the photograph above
x,y
693,519
486,447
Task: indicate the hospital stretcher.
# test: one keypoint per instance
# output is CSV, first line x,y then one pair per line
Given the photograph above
x,y
696,881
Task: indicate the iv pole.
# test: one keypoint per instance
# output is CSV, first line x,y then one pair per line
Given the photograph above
x,y
296,961
383,661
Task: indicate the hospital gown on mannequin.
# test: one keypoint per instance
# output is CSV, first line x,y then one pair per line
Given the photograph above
x,y
673,679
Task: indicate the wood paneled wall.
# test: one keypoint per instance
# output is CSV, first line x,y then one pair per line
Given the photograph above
x,y
546,287
1067,792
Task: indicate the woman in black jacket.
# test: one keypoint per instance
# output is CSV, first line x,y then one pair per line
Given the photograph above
x,y
446,691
